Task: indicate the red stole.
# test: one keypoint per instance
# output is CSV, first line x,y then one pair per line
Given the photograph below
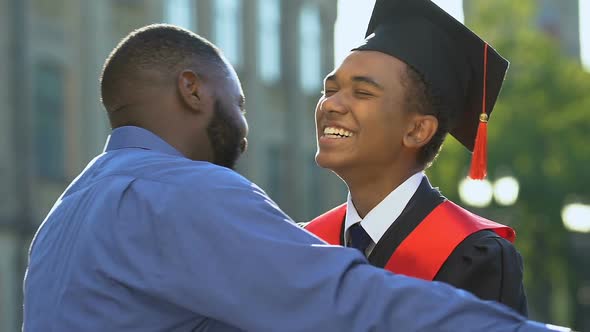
x,y
428,246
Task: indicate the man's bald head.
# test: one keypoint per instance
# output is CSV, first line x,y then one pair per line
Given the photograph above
x,y
153,55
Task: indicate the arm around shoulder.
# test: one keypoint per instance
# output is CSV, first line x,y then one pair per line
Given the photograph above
x,y
230,254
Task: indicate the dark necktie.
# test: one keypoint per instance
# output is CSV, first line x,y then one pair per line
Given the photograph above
x,y
359,238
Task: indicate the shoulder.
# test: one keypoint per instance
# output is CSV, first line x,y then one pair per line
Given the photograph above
x,y
488,266
484,245
337,212
483,255
329,221
181,174
171,184
478,255
489,241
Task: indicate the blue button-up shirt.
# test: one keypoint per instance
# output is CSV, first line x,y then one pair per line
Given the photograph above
x,y
148,240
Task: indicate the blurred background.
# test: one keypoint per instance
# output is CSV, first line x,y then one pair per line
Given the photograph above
x,y
52,123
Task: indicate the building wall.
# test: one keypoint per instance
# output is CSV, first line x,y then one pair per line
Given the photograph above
x,y
560,19
7,164
52,123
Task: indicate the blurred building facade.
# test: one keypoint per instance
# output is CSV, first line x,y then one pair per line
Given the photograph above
x,y
52,123
559,19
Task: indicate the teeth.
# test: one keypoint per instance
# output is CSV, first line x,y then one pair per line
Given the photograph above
x,y
337,132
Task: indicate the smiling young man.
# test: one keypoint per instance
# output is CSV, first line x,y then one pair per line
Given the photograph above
x,y
381,121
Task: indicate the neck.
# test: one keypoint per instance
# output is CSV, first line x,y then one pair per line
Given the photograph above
x,y
187,136
369,187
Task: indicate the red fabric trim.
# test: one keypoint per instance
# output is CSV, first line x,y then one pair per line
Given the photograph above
x,y
425,250
328,226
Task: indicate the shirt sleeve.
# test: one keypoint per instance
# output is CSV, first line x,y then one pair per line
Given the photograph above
x,y
224,250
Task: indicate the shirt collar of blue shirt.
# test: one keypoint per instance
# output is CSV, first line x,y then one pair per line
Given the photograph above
x,y
136,137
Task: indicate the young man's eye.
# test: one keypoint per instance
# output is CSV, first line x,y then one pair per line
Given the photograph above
x,y
328,92
363,93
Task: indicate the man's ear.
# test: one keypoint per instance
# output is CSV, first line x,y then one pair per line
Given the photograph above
x,y
190,88
420,130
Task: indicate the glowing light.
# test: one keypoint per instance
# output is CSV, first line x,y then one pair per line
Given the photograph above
x,y
576,217
506,190
476,193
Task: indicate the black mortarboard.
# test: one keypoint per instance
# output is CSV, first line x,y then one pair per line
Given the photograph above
x,y
458,66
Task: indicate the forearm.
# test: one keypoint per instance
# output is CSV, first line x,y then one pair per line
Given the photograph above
x,y
401,303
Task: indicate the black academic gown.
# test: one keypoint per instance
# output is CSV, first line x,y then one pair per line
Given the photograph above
x,y
484,264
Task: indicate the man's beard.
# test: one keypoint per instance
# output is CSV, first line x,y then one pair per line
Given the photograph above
x,y
225,138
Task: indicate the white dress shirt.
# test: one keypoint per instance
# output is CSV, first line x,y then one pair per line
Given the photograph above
x,y
382,216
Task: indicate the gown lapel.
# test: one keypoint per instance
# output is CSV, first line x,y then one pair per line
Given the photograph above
x,y
420,205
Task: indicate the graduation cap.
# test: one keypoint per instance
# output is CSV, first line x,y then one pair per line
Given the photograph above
x,y
463,72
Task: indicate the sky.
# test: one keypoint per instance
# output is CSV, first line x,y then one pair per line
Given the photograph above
x,y
353,17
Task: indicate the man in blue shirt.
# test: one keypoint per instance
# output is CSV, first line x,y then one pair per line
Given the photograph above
x,y
159,234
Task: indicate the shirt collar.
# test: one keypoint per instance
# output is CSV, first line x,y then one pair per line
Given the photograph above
x,y
136,137
378,220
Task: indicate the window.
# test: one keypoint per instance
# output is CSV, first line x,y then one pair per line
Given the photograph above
x,y
49,120
269,45
180,13
310,48
228,25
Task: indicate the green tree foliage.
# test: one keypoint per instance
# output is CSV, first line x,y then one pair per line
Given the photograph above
x,y
539,133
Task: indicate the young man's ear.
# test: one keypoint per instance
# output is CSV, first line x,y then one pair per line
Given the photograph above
x,y
420,131
190,88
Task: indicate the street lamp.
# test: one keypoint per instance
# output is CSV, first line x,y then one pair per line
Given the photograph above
x,y
476,193
506,190
576,217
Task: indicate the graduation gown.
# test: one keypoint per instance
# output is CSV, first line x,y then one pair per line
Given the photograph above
x,y
484,263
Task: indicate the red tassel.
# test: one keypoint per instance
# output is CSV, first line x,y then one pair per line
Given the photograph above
x,y
479,159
